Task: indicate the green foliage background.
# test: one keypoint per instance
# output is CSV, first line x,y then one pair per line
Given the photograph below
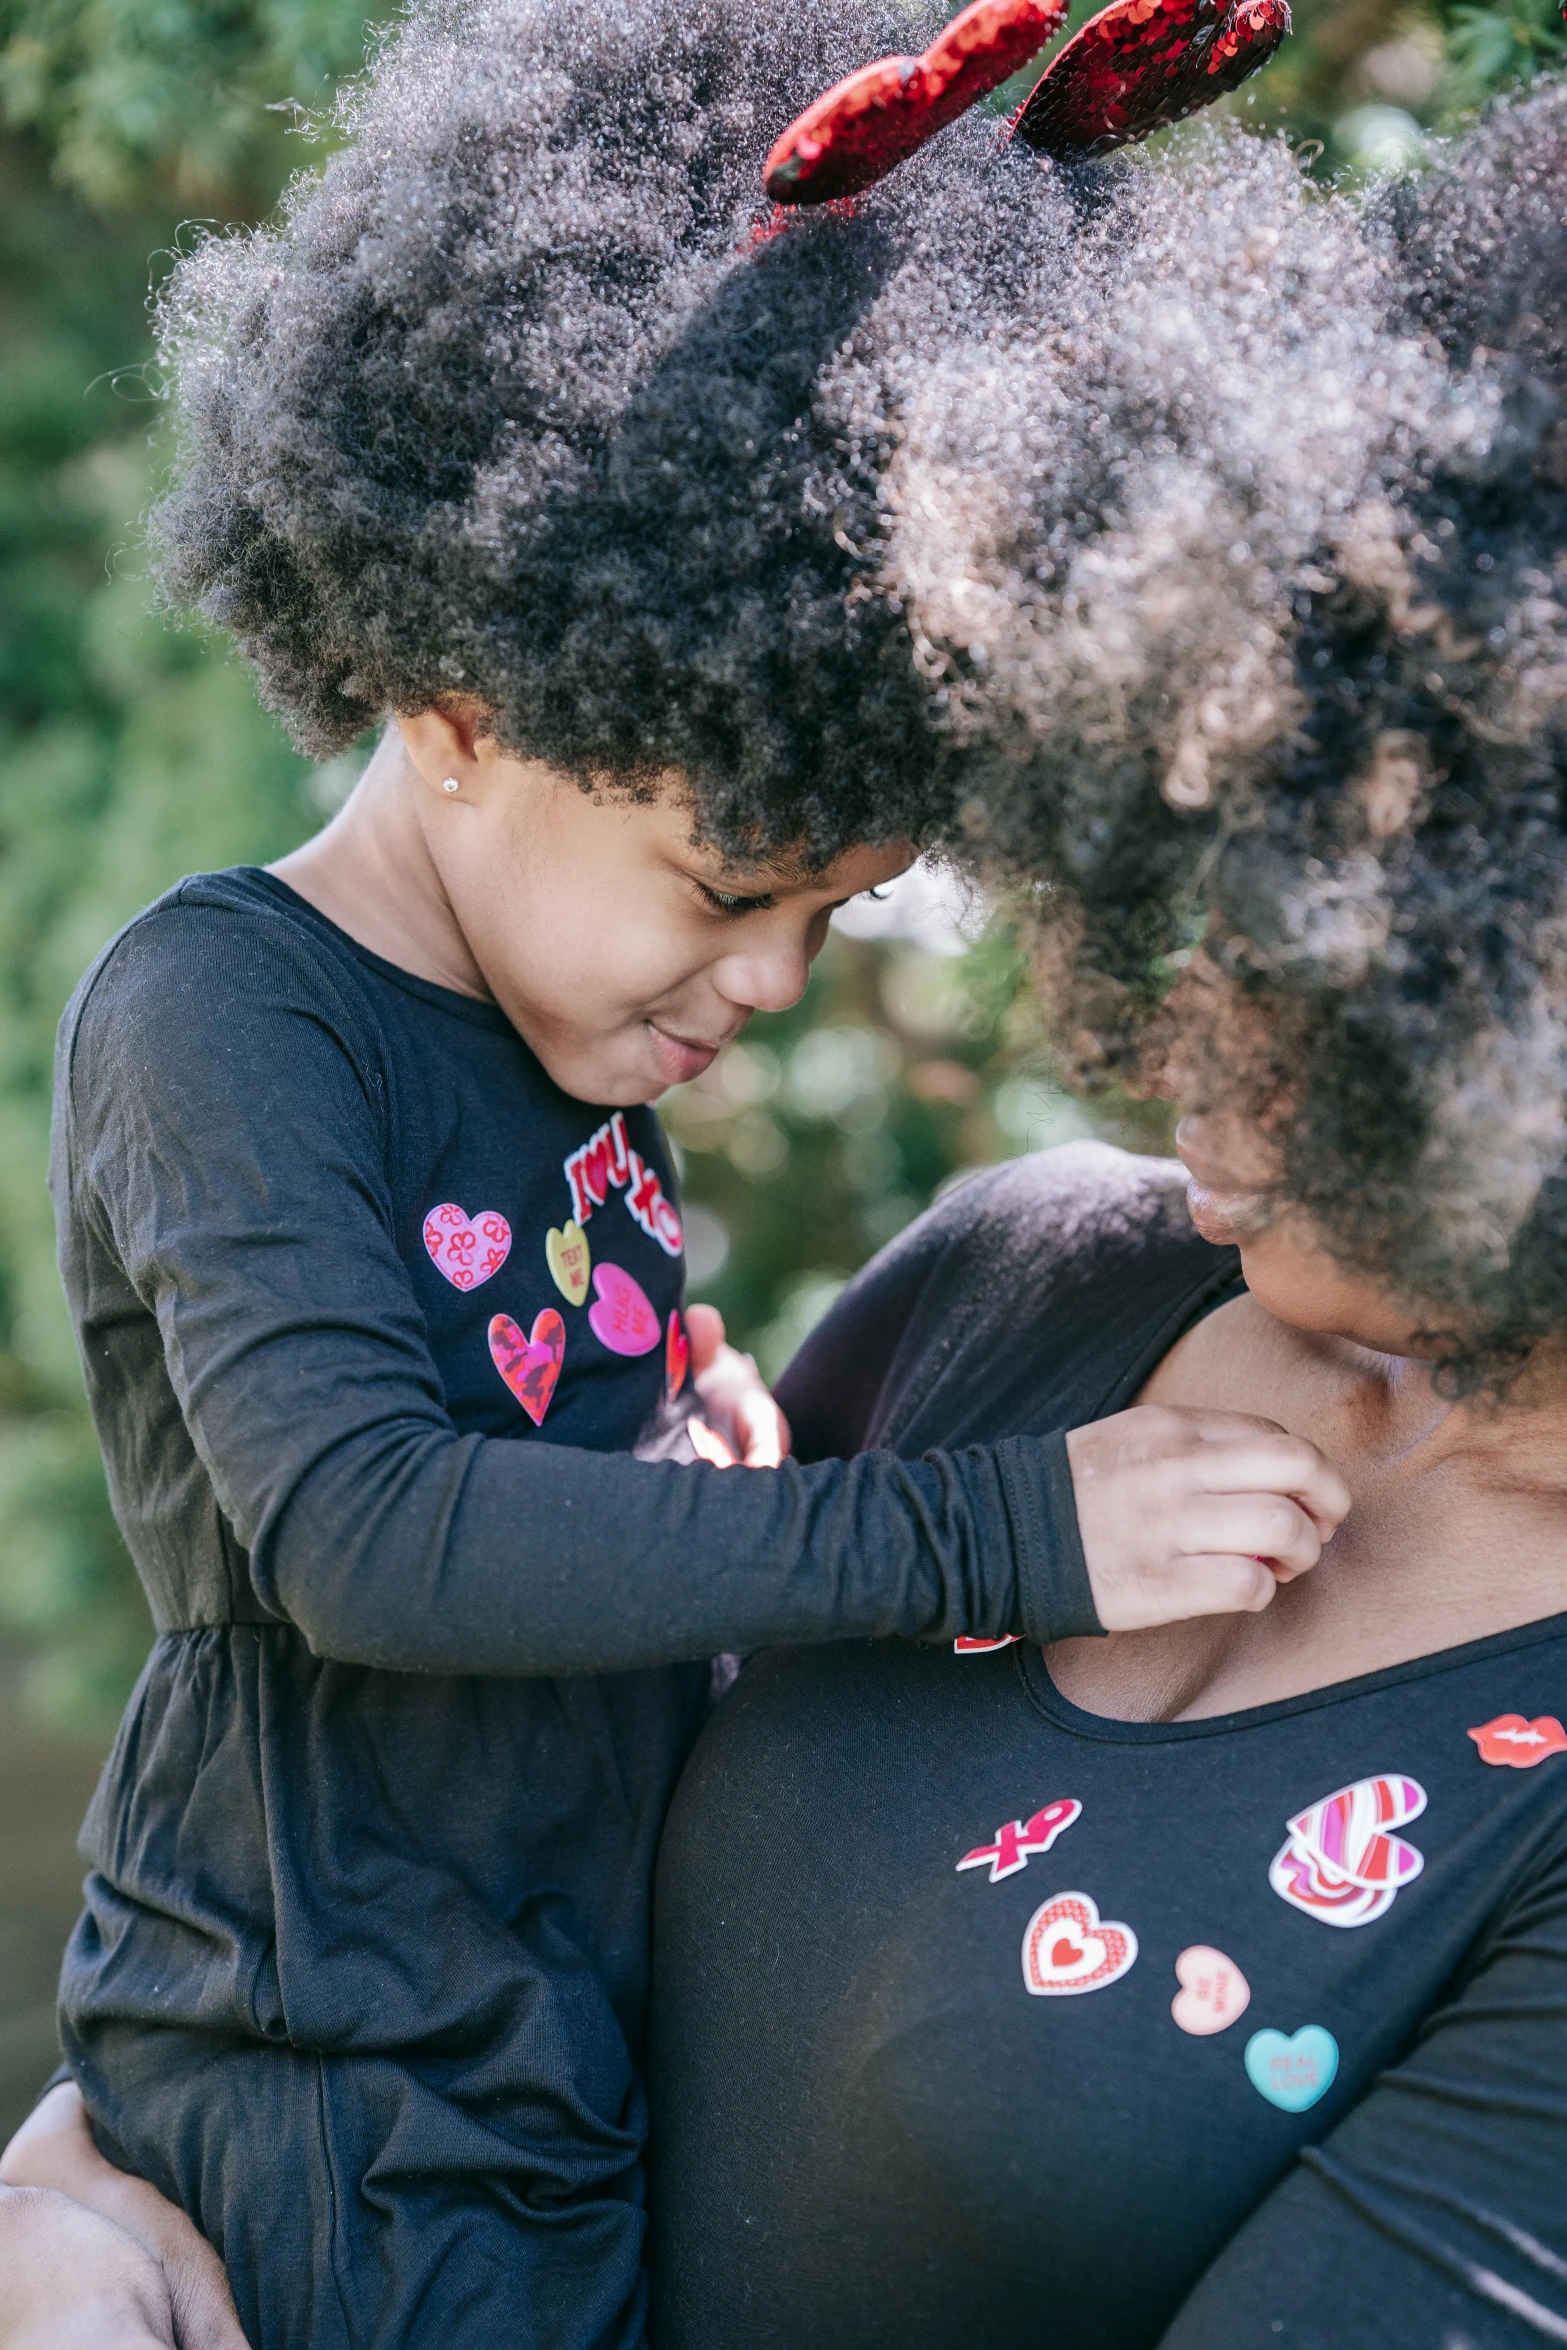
x,y
131,752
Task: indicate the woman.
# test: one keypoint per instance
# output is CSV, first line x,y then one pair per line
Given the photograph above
x,y
1207,1986
1204,1987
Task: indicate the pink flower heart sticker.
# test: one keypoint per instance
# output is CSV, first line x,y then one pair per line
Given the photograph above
x,y
622,1319
467,1249
677,1357
530,1366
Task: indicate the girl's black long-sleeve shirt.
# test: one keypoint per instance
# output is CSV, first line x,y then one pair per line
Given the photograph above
x,y
372,1315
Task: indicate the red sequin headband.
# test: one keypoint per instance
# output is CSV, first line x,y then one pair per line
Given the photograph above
x,y
1136,65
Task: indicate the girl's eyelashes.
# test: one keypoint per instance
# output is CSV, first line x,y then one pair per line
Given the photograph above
x,y
723,902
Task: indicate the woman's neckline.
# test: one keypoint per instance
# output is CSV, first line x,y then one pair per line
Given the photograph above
x,y
1112,1729
1216,1288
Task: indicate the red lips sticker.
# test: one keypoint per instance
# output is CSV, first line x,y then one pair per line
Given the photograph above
x,y
530,1366
1068,1947
1520,1744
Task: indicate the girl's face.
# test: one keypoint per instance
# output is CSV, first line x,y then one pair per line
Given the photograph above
x,y
626,956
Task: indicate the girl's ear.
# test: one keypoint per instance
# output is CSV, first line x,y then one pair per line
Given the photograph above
x,y
443,744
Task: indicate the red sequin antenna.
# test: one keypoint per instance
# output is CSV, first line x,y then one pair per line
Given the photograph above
x,y
1135,66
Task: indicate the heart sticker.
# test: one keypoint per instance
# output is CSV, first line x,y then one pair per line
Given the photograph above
x,y
467,1249
1342,1863
677,1357
622,1318
1213,1992
530,1366
568,1257
1292,2074
1068,1947
1347,1832
1520,1744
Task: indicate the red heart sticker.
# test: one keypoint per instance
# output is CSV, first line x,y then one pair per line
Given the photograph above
x,y
878,117
1140,64
467,1249
1520,1744
1090,1952
530,1366
677,1357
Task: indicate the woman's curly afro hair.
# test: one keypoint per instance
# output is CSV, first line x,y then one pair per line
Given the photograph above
x,y
1248,574
1181,543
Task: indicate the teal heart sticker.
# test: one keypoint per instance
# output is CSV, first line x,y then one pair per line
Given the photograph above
x,y
1292,2074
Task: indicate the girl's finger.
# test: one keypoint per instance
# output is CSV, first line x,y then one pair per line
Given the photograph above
x,y
1262,1459
705,1332
762,1429
1259,1526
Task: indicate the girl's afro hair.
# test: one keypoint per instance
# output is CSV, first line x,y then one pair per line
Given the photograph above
x,y
527,397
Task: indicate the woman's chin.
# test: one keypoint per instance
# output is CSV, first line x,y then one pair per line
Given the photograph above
x,y
1227,1217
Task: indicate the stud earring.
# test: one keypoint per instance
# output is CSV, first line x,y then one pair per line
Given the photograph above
x,y
451,785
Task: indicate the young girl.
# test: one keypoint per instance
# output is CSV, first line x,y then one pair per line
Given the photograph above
x,y
509,428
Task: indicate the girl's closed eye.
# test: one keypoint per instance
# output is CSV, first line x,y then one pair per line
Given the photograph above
x,y
726,902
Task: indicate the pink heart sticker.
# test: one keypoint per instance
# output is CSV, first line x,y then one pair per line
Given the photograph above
x,y
530,1366
622,1319
677,1357
1213,1991
1349,1833
1068,1947
467,1249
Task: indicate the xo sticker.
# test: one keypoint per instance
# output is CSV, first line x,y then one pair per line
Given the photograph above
x,y
1068,1947
1019,1839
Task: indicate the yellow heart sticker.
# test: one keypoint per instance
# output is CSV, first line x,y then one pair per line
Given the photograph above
x,y
567,1254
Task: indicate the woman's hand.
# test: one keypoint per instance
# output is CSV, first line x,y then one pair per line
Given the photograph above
x,y
734,1392
1191,1513
72,2281
90,2256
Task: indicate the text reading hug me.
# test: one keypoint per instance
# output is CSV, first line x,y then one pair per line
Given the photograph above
x,y
607,1161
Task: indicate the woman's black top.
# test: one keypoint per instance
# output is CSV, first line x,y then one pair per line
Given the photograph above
x,y
980,2021
391,1783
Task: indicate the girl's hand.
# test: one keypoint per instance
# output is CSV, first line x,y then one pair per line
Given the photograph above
x,y
1193,1513
734,1392
91,2257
